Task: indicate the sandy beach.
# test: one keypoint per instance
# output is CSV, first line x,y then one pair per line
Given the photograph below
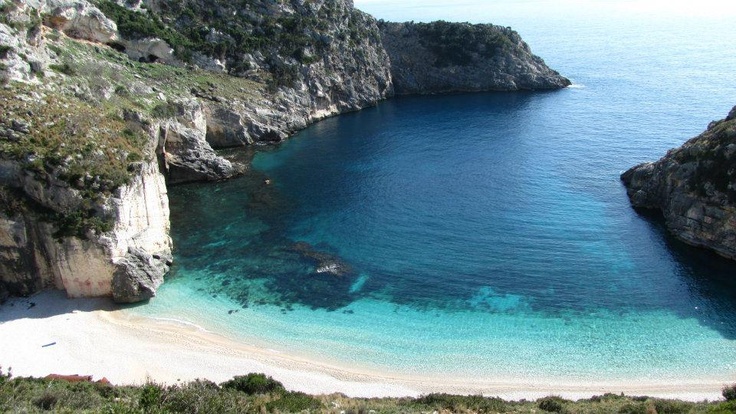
x,y
48,333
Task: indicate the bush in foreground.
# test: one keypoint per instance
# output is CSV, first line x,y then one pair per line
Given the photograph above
x,y
552,404
729,392
252,384
258,394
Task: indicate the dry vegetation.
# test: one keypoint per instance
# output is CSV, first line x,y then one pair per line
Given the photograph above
x,y
257,393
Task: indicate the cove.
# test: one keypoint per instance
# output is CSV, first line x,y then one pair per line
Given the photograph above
x,y
482,236
478,236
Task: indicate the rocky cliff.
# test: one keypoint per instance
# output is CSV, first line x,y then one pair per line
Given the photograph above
x,y
695,188
104,103
442,57
126,262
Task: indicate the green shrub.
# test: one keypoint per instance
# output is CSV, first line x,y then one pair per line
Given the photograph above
x,y
4,50
165,110
551,404
5,9
671,407
150,396
633,408
199,396
77,223
729,392
121,90
456,403
32,395
727,407
254,384
46,401
294,402
64,68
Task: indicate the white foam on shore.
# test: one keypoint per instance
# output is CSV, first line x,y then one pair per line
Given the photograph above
x,y
104,341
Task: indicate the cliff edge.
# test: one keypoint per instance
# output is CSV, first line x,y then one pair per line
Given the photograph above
x,y
694,187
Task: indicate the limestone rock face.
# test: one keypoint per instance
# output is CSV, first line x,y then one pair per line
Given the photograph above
x,y
183,145
137,276
695,188
34,257
319,58
442,57
78,19
150,50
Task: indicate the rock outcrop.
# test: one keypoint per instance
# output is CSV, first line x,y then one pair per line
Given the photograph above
x,y
35,256
443,57
695,188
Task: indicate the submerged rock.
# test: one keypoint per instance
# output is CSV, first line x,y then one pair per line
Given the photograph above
x,y
694,187
324,262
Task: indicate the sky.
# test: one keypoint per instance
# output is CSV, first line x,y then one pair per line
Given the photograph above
x,y
479,10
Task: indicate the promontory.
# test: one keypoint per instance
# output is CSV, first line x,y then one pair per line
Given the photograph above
x,y
694,187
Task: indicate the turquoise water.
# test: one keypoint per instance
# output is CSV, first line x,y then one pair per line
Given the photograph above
x,y
483,235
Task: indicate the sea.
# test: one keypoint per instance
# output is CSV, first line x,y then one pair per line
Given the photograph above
x,y
487,235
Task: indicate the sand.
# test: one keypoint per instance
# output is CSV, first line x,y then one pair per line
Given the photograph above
x,y
48,333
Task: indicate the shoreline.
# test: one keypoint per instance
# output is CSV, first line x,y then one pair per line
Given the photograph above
x,y
92,337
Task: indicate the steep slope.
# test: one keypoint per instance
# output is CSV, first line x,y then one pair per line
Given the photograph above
x,y
695,188
324,56
444,57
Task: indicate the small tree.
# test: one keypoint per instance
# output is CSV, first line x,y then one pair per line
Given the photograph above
x,y
729,392
4,376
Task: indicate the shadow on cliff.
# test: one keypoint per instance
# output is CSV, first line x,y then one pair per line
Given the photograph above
x,y
51,303
709,277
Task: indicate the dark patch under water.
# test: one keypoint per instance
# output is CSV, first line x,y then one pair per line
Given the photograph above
x,y
208,241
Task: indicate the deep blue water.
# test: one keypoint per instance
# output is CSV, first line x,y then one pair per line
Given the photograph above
x,y
481,234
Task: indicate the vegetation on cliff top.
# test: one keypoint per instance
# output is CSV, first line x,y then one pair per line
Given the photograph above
x,y
232,32
713,153
59,131
459,44
257,393
86,122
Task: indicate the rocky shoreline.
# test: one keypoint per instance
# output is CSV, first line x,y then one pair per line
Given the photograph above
x,y
107,103
694,186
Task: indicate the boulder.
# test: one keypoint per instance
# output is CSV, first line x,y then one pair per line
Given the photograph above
x,y
81,20
138,275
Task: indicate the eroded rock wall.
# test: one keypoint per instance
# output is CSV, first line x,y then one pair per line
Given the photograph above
x,y
694,186
35,256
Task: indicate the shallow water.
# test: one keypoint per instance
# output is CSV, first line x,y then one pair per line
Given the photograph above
x,y
482,235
